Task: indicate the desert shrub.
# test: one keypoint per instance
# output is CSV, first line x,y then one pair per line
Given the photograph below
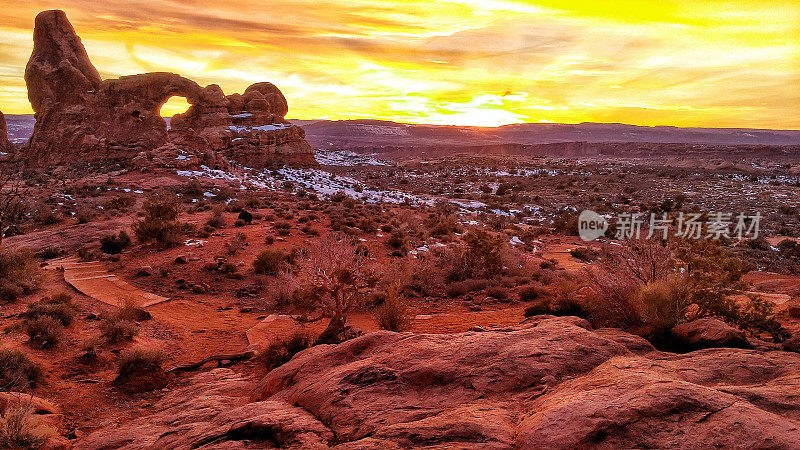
x,y
282,228
583,253
281,351
235,243
497,292
64,313
160,222
216,220
532,292
139,360
270,262
393,314
540,307
47,216
17,371
115,244
661,304
192,188
245,216
252,202
456,289
121,203
442,225
87,254
618,276
789,248
49,253
480,255
566,223
661,285
19,273
44,332
368,225
116,330
397,240
238,223
84,216
18,428
131,312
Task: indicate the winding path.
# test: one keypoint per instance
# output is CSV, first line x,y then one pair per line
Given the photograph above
x,y
92,279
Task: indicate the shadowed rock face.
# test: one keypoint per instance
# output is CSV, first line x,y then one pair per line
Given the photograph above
x,y
549,383
80,117
5,144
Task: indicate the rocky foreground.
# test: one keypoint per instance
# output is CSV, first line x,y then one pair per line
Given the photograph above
x,y
548,383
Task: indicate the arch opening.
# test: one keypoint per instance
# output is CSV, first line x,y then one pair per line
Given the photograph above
x,y
174,105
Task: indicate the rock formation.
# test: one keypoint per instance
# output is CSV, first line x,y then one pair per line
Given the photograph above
x,y
5,144
80,117
249,129
549,383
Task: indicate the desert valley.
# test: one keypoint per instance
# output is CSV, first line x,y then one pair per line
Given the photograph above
x,y
230,278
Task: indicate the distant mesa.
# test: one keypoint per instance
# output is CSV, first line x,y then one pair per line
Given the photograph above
x,y
80,117
5,144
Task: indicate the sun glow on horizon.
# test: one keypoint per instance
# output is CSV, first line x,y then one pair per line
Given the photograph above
x,y
713,63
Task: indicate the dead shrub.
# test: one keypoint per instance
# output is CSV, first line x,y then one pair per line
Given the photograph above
x,y
532,292
116,330
271,262
19,429
281,351
497,292
17,371
19,273
393,314
139,370
44,332
114,244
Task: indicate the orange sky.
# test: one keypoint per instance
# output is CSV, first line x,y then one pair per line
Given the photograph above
x,y
716,63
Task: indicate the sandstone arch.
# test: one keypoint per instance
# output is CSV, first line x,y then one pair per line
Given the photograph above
x,y
80,117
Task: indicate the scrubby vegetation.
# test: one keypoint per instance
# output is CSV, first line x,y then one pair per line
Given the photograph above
x,y
271,262
658,285
115,244
19,273
139,360
281,351
17,371
117,330
393,314
160,222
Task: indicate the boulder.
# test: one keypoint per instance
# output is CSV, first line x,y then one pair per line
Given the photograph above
x,y
80,117
792,344
212,412
709,332
549,383
635,402
793,309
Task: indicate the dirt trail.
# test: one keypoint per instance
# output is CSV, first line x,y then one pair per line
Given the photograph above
x,y
282,325
92,279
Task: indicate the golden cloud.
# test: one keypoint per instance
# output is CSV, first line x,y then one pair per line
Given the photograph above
x,y
647,62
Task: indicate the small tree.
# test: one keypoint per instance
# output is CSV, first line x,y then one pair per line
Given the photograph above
x,y
330,278
160,222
